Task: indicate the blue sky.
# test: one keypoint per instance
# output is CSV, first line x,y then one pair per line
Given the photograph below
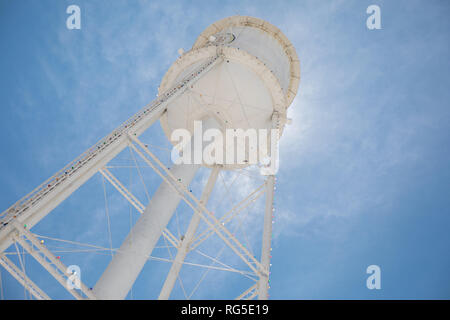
x,y
364,175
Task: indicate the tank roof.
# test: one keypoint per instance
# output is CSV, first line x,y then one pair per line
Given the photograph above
x,y
242,21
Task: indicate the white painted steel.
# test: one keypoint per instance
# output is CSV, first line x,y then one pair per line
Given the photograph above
x,y
22,278
228,216
263,283
262,40
258,76
240,93
128,262
37,204
204,213
53,265
247,292
135,202
241,73
185,243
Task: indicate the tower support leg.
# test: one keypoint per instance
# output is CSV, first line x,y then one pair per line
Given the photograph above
x,y
128,262
188,237
134,252
263,282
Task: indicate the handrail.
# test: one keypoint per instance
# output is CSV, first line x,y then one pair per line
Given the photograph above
x,y
52,183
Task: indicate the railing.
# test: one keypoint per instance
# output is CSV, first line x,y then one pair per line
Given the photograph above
x,y
51,184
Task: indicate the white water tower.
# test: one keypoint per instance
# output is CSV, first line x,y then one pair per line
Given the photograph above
x,y
241,73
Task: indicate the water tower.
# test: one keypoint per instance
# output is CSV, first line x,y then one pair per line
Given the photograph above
x,y
241,73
